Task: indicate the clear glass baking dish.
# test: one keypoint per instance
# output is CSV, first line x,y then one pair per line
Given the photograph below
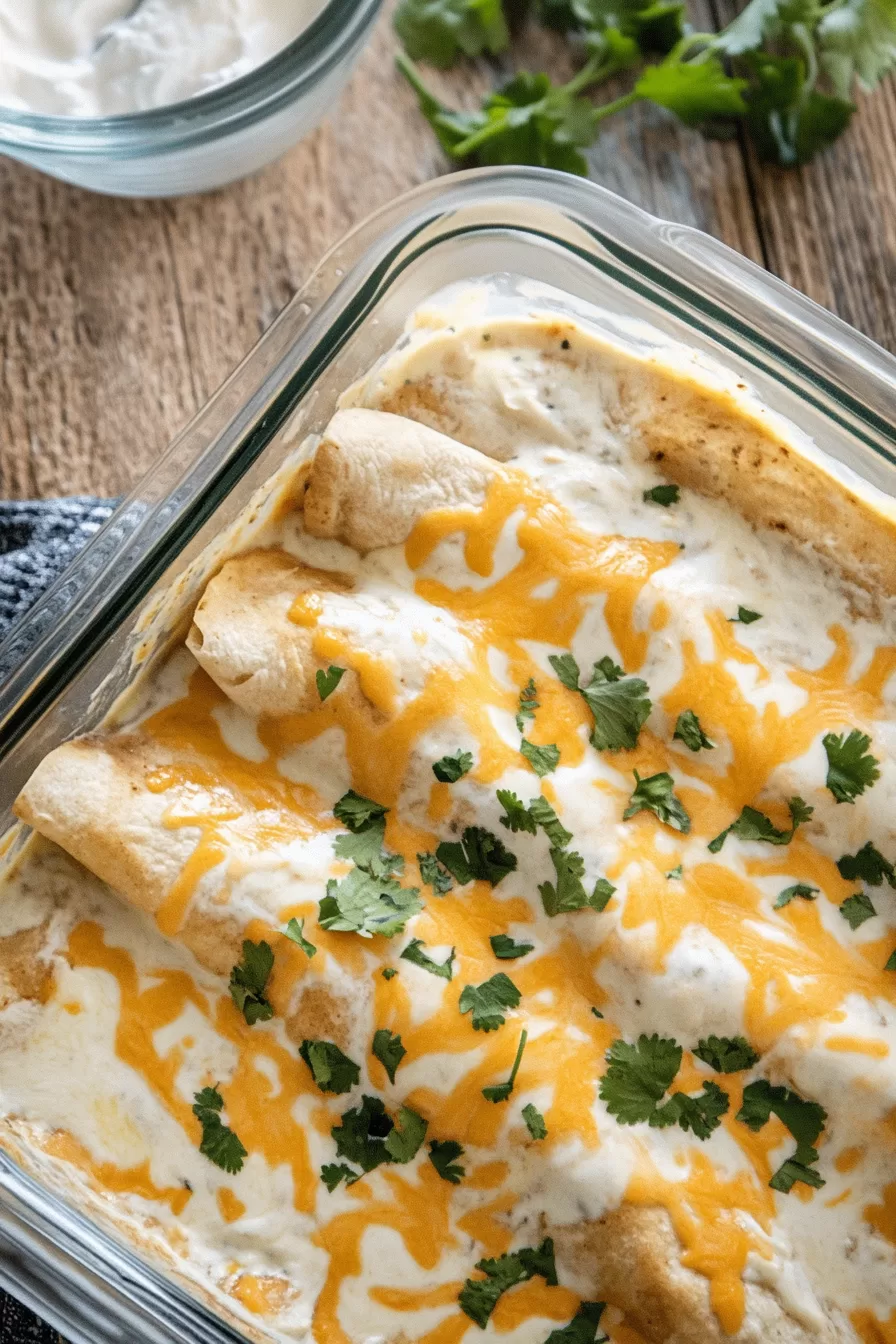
x,y
67,662
208,140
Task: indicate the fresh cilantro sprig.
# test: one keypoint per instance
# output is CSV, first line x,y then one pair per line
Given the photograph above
x,y
479,1297
501,1091
637,1079
219,1143
804,1119
850,770
438,31
248,981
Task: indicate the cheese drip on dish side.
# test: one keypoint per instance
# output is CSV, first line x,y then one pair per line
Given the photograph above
x,y
455,648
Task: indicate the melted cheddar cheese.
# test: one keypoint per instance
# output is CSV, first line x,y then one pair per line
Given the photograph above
x,y
565,555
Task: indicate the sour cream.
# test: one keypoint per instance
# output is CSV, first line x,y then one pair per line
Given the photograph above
x,y
97,58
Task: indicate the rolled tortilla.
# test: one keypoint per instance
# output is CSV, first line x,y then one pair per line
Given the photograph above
x,y
631,1258
374,475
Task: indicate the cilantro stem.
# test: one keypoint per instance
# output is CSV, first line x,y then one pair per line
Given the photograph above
x,y
617,105
524,1036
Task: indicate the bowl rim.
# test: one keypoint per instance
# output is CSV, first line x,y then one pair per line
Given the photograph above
x,y
289,74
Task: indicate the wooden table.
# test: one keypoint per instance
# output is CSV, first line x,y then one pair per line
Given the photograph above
x,y
118,318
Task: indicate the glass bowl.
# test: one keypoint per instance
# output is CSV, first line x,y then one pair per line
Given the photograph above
x,y
208,140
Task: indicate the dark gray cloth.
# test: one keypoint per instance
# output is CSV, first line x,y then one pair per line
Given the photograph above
x,y
38,538
37,541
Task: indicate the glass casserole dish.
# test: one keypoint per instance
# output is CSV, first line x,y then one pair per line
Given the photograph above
x,y
69,661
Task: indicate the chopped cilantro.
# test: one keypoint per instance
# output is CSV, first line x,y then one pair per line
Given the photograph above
x,y
389,1050
365,849
638,1078
544,816
487,1000
674,874
438,31
688,731
535,1122
480,856
850,771
333,1173
701,1114
801,889
332,1070
405,1139
443,1154
745,616
619,704
479,1297
517,816
755,825
248,980
363,904
726,1054
654,794
219,1143
890,963
569,893
868,865
295,931
328,681
360,1137
432,872
414,953
357,812
505,949
528,705
452,768
804,1119
542,759
502,1091
583,1327
856,909
662,494
388,972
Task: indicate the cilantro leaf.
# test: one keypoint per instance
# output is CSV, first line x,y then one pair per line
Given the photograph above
x,y
405,1139
432,872
856,909
701,1114
295,931
332,1070
517,816
389,1050
452,768
438,31
688,731
505,949
654,794
480,856
801,889
638,1076
367,905
535,1122
868,865
542,759
360,1137
388,972
726,1054
745,617
328,681
248,980
501,1091
890,963
414,953
479,1297
569,893
665,495
850,771
567,669
365,848
583,1327
804,1119
789,120
696,92
487,1000
443,1154
333,1173
219,1143
528,705
755,825
674,874
620,706
544,816
357,812
857,44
